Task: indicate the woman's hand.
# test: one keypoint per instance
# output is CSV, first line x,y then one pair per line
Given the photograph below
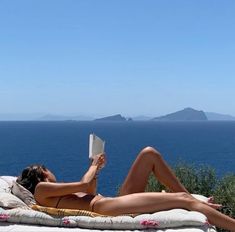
x,y
99,161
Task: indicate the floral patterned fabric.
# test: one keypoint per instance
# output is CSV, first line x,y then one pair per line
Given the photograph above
x,y
164,219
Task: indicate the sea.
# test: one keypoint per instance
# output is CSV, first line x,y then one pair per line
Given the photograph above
x,y
62,146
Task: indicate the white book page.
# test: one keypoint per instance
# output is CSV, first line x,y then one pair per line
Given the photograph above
x,y
96,145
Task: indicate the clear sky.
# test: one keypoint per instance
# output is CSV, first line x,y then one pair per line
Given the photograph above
x,y
102,57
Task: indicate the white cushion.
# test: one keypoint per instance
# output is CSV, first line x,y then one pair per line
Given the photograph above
x,y
6,183
24,194
8,200
4,187
165,219
9,179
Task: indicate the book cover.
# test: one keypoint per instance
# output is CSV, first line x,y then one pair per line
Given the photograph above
x,y
96,145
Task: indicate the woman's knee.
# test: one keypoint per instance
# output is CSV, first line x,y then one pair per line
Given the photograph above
x,y
151,151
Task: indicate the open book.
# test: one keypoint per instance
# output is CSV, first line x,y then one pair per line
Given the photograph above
x,y
96,145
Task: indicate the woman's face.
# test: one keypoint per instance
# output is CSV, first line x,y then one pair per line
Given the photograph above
x,y
49,175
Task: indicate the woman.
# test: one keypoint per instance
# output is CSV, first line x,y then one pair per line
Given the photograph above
x,y
132,198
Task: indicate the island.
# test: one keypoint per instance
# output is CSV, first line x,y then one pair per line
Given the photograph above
x,y
113,118
187,114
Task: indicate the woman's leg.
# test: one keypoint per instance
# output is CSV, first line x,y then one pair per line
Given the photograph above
x,y
150,160
153,202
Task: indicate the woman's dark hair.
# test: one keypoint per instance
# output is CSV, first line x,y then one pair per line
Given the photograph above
x,y
31,176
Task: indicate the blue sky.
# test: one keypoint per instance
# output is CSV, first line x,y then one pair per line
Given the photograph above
x,y
123,56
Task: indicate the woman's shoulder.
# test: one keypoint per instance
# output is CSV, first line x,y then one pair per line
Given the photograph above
x,y
41,187
41,184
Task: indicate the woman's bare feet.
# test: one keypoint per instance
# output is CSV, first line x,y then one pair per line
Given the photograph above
x,y
213,205
211,199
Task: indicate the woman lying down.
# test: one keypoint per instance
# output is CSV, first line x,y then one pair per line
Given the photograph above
x,y
132,199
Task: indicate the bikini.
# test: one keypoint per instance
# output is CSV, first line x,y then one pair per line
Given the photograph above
x,y
94,201
56,206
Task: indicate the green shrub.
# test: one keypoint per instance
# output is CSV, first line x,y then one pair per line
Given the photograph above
x,y
197,179
225,193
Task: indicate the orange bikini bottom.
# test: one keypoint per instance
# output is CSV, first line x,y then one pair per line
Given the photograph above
x,y
93,202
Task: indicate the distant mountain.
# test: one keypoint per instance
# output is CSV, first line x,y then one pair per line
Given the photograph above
x,y
187,114
52,117
219,117
183,115
116,118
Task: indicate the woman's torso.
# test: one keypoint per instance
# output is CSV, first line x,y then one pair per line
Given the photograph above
x,y
72,201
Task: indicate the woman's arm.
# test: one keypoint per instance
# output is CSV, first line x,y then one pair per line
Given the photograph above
x,y
92,188
50,189
99,161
